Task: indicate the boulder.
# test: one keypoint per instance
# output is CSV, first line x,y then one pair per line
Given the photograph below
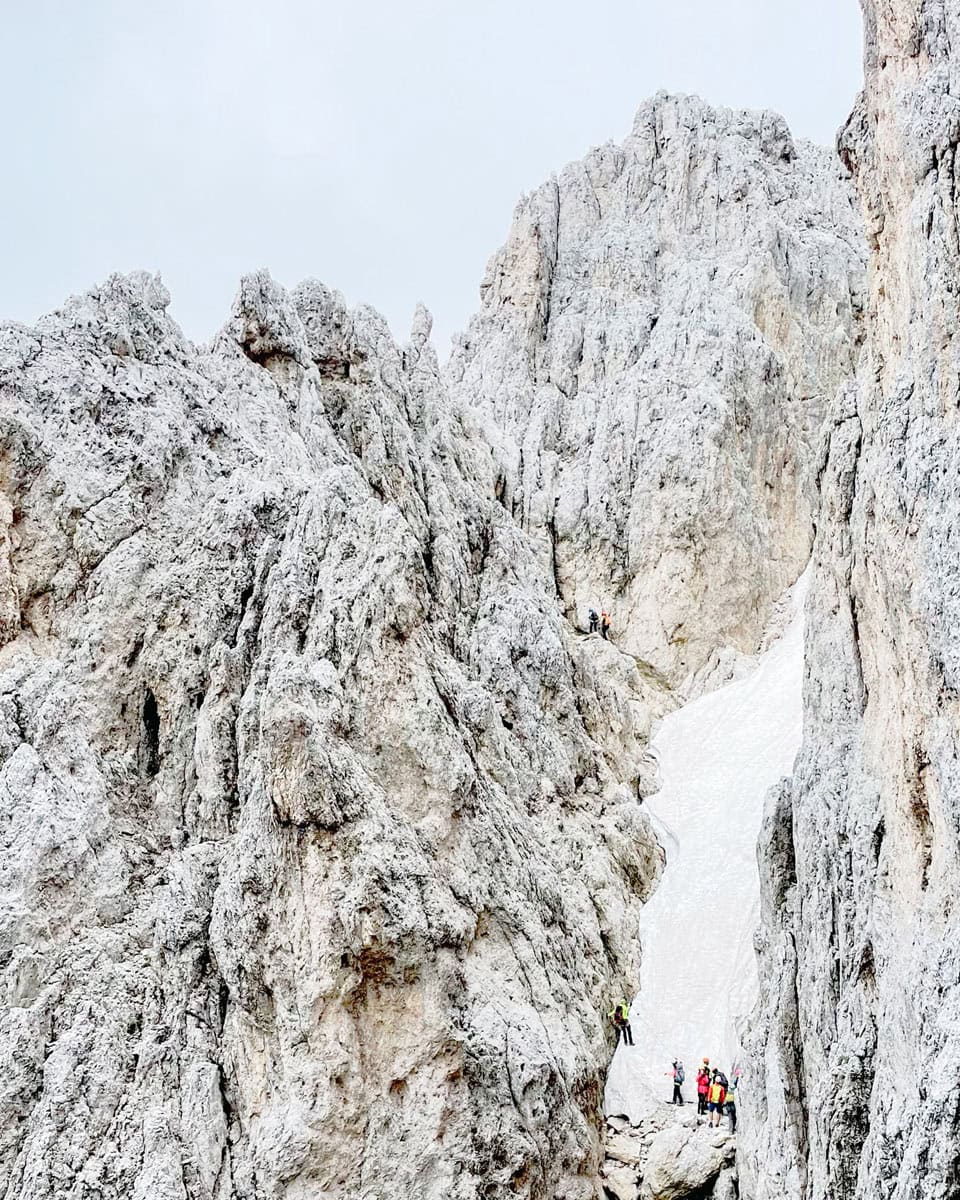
x,y
625,1149
619,1182
726,1186
682,1161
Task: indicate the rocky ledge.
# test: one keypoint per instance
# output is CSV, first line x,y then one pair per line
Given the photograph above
x,y
670,1155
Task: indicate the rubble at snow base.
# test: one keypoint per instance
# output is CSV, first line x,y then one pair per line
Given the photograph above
x,y
668,1156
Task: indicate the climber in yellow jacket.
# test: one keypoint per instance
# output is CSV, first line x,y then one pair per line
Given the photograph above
x,y
621,1022
715,1098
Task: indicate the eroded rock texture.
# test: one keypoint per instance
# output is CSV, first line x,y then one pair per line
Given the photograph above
x,y
669,1155
321,853
855,1069
659,342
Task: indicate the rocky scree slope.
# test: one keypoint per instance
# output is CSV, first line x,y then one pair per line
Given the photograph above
x,y
319,856
668,1155
855,1059
659,343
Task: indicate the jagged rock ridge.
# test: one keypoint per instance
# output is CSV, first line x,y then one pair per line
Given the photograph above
x,y
320,855
659,342
855,1049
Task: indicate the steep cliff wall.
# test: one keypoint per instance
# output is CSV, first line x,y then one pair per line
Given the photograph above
x,y
321,856
857,1046
659,342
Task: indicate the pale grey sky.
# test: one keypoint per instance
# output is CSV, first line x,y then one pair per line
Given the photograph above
x,y
379,145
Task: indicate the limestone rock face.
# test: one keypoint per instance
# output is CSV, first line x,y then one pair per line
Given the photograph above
x,y
659,343
321,855
852,1081
668,1155
684,1161
320,850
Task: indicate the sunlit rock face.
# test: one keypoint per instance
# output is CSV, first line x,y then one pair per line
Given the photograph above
x,y
856,1053
321,850
659,344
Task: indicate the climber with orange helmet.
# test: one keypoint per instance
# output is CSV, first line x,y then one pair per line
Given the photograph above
x,y
605,624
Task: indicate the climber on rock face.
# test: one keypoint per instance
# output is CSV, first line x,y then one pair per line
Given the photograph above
x,y
605,624
621,1022
594,620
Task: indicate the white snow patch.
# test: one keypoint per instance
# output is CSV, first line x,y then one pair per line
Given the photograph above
x,y
718,757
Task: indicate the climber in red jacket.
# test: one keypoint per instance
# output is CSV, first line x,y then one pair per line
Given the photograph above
x,y
703,1086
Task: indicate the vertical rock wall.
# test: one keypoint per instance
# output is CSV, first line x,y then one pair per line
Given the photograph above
x,y
320,852
856,1064
321,856
659,342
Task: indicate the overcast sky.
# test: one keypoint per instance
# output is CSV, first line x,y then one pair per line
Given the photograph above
x,y
379,145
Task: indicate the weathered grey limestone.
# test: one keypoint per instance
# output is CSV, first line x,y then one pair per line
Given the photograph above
x,y
659,342
671,1155
683,1161
321,851
320,857
854,1084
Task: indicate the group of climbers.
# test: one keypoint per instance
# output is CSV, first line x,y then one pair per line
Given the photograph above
x,y
716,1095
601,621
